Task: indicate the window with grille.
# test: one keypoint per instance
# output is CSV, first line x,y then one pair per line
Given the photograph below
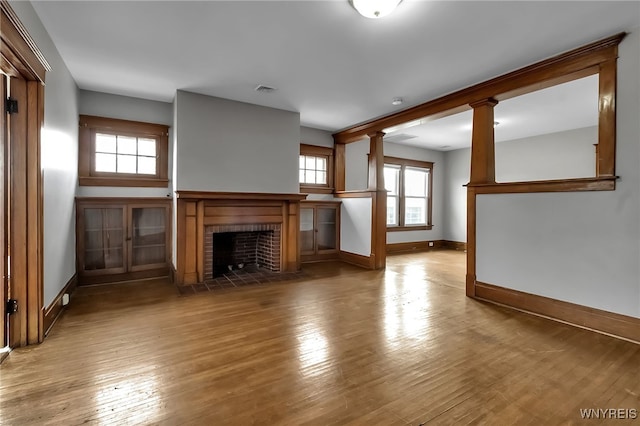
x,y
122,153
409,186
316,169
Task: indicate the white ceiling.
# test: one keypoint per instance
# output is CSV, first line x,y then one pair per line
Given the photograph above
x,y
330,64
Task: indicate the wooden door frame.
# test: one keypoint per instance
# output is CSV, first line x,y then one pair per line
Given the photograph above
x,y
21,58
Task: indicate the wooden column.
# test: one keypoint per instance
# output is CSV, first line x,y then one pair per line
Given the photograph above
x,y
483,170
378,202
607,119
339,165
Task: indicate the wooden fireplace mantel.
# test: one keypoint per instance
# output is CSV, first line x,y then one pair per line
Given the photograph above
x,y
198,209
251,196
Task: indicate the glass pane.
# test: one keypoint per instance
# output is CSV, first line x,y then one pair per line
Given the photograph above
x,y
148,235
147,165
415,211
302,176
306,230
326,215
391,175
310,163
126,163
415,183
321,163
105,143
302,162
321,177
311,176
106,163
126,145
103,238
326,236
392,211
147,147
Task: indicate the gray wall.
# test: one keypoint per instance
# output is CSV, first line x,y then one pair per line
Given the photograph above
x,y
577,247
457,166
128,108
225,145
59,160
311,136
561,155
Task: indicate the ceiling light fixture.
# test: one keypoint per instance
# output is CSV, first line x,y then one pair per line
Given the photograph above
x,y
396,101
374,8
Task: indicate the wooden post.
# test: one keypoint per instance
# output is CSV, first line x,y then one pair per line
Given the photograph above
x,y
378,202
483,170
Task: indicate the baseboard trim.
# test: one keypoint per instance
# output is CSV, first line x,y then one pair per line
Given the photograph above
x,y
357,259
617,325
418,246
454,245
55,309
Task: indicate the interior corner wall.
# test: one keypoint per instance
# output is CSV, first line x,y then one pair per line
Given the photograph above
x,y
578,247
59,160
230,146
437,202
355,225
128,108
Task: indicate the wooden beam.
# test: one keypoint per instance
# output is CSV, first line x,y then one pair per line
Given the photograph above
x,y
378,201
340,167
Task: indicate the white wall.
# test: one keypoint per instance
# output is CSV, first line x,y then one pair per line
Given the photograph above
x,y
225,145
59,157
584,247
128,108
457,166
355,226
437,209
356,165
561,155
317,137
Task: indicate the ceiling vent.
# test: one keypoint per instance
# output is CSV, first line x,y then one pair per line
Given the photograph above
x,y
400,137
264,89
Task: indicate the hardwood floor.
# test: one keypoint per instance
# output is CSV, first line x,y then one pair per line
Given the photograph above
x,y
341,346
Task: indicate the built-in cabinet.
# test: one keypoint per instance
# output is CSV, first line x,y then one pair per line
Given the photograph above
x,y
122,238
319,230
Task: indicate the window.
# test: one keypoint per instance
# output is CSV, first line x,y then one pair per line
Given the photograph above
x,y
409,187
122,153
316,169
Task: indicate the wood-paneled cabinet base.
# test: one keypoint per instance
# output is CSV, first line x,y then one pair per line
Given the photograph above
x,y
120,238
319,230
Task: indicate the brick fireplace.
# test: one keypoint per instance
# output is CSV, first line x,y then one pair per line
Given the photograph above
x,y
272,220
228,247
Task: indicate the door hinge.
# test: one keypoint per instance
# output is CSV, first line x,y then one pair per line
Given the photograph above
x,y
12,306
11,106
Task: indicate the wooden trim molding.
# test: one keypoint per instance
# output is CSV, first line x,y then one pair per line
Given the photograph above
x,y
55,309
527,79
19,49
603,183
414,246
21,59
208,195
454,245
357,259
409,228
581,316
365,193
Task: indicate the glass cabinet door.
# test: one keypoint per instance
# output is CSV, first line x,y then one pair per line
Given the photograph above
x,y
326,228
148,237
104,234
307,231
